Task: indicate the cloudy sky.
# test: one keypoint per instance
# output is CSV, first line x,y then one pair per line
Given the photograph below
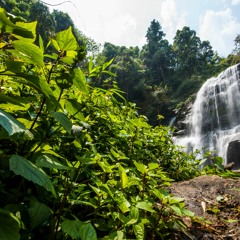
x,y
125,22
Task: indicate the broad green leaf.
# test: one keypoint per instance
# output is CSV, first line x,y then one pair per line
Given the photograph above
x,y
118,235
70,57
133,216
9,226
105,166
49,161
96,190
40,84
14,107
109,73
79,80
87,232
106,189
114,153
107,64
30,26
152,166
187,212
72,228
174,200
14,66
147,206
63,120
27,123
66,40
79,230
38,213
139,231
23,167
162,196
28,52
11,125
123,177
41,44
79,202
140,167
74,109
123,203
134,213
55,45
177,210
53,56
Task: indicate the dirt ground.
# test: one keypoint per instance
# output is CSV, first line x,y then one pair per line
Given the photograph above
x,y
217,200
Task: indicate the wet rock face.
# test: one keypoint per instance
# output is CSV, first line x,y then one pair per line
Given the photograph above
x,y
233,154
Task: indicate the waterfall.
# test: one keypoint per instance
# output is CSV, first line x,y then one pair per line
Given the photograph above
x,y
214,123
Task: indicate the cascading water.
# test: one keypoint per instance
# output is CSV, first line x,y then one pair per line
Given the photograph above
x,y
214,123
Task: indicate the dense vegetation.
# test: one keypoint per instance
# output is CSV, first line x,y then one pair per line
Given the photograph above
x,y
77,159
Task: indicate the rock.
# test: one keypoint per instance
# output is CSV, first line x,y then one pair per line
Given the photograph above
x,y
203,195
233,154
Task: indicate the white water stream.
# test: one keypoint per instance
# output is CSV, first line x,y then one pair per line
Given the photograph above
x,y
215,117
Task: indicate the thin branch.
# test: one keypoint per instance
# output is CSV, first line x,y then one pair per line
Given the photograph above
x,y
58,4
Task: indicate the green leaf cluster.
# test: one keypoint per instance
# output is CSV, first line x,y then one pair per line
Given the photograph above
x,y
78,162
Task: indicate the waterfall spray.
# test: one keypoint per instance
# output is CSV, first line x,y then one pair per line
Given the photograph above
x,y
214,123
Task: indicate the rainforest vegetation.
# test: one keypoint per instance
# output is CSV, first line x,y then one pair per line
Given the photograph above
x,y
82,153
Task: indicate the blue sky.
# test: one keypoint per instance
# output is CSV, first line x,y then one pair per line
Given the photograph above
x,y
125,22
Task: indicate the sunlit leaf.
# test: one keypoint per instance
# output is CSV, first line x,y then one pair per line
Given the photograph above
x,y
74,109
140,167
153,166
123,177
66,40
79,80
147,206
30,26
176,209
139,231
29,52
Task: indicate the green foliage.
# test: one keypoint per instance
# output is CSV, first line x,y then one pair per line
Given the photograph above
x,y
9,226
77,163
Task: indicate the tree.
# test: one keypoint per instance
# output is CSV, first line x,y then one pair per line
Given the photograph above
x,y
237,44
129,70
156,54
62,21
191,55
40,12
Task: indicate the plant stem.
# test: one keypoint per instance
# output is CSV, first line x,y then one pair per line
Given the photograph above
x,y
38,114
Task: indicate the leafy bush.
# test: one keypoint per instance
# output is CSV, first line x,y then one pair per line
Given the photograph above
x,y
76,163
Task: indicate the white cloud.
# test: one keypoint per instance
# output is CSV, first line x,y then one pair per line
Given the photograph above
x,y
170,19
220,28
235,2
121,30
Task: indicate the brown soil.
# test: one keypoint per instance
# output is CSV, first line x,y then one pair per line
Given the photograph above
x,y
217,200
